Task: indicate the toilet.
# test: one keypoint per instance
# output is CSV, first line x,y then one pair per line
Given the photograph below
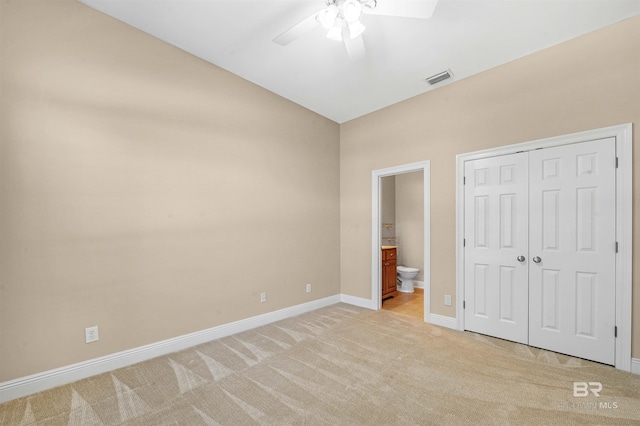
x,y
406,276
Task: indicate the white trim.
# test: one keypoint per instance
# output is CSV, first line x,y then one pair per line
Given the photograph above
x,y
624,237
444,321
418,284
376,175
624,196
635,365
356,301
427,300
46,380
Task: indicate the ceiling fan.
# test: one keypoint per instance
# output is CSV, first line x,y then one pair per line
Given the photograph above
x,y
341,19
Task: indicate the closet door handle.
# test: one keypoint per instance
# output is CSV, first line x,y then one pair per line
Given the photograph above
x,y
520,258
537,259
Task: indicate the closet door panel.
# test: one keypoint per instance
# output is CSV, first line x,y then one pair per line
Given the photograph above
x,y
496,196
572,233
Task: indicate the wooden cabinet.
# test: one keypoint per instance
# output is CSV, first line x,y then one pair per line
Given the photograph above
x,y
389,277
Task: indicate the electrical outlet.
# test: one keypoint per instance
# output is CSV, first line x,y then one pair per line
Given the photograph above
x,y
308,288
447,299
91,334
263,297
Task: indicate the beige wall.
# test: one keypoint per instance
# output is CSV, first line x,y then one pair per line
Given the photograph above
x,y
146,191
586,83
410,220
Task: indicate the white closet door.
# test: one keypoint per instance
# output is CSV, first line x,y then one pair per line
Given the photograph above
x,y
496,228
572,248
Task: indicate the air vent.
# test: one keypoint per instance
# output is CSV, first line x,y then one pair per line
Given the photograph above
x,y
435,79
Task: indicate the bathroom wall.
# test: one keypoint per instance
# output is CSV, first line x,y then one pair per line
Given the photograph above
x,y
388,200
585,83
146,191
410,220
388,211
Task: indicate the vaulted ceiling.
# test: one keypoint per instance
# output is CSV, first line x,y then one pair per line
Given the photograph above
x,y
464,36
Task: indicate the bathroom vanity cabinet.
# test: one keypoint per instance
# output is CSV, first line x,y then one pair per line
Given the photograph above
x,y
389,277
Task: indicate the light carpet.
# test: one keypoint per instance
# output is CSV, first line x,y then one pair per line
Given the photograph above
x,y
342,365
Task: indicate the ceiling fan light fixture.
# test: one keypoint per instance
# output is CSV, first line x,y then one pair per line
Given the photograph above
x,y
351,10
327,17
356,28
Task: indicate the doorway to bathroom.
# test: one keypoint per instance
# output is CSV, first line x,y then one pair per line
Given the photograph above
x,y
401,218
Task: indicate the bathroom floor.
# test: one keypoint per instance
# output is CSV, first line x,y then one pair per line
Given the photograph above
x,y
409,304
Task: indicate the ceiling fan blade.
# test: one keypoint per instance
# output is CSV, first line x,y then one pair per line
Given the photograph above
x,y
298,30
422,9
355,47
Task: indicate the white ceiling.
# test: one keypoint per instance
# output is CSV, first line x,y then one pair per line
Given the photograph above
x,y
465,36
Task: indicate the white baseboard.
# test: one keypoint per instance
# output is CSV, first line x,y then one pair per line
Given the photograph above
x,y
60,376
443,321
357,301
635,365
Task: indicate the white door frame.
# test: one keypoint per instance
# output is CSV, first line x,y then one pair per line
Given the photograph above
x,y
624,195
376,176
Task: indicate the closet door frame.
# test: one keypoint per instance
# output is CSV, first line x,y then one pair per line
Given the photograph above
x,y
624,192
